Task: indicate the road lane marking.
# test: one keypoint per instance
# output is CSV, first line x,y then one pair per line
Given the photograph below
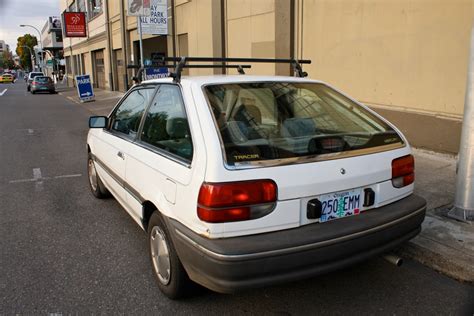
x,y
30,131
38,179
1,94
68,176
22,180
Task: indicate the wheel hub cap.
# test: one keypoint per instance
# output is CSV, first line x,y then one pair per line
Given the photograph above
x,y
160,255
92,174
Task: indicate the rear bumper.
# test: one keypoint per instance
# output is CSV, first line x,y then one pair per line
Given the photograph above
x,y
43,89
231,264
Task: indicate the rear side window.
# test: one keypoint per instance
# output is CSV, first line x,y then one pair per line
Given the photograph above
x,y
43,79
279,120
126,118
35,74
166,124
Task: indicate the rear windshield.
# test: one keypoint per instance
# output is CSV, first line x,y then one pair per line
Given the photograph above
x,y
42,79
35,74
278,120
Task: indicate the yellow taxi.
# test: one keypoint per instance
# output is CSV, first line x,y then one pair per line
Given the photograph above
x,y
6,78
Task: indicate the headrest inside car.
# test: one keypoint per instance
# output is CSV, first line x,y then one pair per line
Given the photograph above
x,y
177,127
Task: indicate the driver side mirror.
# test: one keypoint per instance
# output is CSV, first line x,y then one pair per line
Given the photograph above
x,y
98,121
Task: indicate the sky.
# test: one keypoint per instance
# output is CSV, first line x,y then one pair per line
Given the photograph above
x,y
16,12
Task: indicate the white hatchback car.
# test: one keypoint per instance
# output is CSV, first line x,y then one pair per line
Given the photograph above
x,y
245,181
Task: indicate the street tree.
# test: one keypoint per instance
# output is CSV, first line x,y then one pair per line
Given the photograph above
x,y
24,53
7,60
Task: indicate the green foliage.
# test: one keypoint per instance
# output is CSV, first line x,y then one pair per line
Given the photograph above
x,y
6,60
23,52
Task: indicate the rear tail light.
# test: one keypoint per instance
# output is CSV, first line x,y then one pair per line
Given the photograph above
x,y
403,171
236,201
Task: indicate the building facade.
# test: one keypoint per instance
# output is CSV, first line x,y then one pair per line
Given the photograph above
x,y
405,56
3,46
52,43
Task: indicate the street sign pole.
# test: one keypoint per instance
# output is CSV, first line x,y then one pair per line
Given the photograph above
x,y
463,208
141,43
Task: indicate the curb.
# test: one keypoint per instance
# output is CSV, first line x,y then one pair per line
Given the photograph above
x,y
69,98
441,258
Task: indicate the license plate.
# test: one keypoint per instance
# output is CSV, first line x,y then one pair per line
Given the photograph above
x,y
340,204
44,88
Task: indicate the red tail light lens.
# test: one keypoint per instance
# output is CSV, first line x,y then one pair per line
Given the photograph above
x,y
236,201
403,171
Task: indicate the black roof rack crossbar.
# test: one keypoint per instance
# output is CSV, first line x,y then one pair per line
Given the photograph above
x,y
296,64
191,66
182,63
179,66
236,60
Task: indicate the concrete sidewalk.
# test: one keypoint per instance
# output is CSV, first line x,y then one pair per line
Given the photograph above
x,y
105,100
444,244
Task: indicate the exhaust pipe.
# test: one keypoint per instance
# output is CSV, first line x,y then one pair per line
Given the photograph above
x,y
393,259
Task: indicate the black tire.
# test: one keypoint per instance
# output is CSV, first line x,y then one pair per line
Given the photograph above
x,y
95,184
176,285
33,92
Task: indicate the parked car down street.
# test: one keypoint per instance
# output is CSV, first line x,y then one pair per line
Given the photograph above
x,y
31,76
42,84
7,78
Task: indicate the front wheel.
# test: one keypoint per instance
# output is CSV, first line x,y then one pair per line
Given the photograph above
x,y
168,270
97,187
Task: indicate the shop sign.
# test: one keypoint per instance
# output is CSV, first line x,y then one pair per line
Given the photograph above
x,y
74,24
54,23
138,7
157,22
156,73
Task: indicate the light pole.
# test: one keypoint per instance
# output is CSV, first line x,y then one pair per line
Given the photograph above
x,y
31,56
41,44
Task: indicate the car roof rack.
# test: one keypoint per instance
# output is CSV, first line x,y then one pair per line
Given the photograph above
x,y
179,63
240,68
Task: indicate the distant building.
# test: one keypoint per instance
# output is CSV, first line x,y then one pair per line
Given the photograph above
x,y
52,41
4,47
16,60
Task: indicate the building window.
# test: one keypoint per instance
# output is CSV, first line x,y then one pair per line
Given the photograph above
x,y
76,64
68,65
95,8
59,37
183,49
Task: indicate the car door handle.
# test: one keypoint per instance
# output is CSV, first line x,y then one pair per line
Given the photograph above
x,y
121,155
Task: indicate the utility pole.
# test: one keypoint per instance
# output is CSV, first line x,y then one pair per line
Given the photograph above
x,y
463,208
31,57
141,46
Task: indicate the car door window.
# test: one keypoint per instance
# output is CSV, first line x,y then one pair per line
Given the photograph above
x,y
126,119
166,124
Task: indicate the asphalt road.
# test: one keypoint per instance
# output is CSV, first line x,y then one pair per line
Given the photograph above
x,y
63,251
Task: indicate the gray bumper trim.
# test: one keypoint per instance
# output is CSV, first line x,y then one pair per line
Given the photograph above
x,y
300,248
